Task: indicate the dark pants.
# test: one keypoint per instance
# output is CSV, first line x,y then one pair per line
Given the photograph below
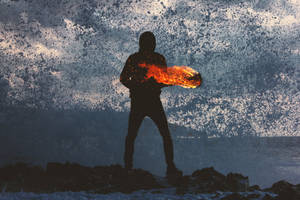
x,y
140,108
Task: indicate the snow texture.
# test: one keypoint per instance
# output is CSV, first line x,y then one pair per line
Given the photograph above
x,y
69,54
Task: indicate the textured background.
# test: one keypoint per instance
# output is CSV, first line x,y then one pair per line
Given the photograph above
x,y
60,63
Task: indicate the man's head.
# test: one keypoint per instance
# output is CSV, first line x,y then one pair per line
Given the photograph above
x,y
147,41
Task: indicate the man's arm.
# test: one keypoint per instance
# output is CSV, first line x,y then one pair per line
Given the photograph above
x,y
131,76
164,66
126,74
152,82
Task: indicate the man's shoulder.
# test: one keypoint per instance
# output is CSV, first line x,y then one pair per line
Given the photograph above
x,y
140,56
134,55
160,58
137,54
159,55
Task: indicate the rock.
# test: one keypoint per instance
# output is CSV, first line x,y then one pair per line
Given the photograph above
x,y
237,182
117,179
58,177
253,188
268,197
253,196
234,196
138,180
208,174
208,180
280,186
74,177
285,190
183,186
69,177
21,177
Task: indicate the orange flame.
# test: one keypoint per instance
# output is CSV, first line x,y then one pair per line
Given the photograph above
x,y
176,75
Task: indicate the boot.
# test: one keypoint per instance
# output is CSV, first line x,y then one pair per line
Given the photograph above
x,y
174,175
128,169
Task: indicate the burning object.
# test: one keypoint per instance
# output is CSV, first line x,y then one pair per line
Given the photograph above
x,y
176,75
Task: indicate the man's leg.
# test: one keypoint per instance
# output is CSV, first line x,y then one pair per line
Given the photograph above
x,y
157,114
159,117
135,119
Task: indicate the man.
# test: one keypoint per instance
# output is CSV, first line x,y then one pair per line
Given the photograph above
x,y
145,100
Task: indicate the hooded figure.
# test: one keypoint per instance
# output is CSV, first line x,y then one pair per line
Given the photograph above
x,y
145,100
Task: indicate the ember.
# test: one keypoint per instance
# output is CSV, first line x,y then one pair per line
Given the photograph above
x,y
176,75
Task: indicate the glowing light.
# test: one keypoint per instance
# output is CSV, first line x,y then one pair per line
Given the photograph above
x,y
176,75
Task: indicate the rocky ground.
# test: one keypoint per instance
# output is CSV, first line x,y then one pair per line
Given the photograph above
x,y
73,177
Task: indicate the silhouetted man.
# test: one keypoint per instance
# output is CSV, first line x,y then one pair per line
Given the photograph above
x,y
145,100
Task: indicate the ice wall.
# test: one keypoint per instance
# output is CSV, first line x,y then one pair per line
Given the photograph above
x,y
69,54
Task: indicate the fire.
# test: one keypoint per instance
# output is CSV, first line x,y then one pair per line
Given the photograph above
x,y
176,75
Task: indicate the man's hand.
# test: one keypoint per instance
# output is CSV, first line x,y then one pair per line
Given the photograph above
x,y
151,82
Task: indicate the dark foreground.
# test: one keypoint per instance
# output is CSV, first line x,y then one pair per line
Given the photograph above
x,y
111,179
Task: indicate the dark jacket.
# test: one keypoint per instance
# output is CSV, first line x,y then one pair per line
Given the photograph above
x,y
133,76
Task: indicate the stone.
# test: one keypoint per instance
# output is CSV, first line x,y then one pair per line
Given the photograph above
x,y
237,182
234,196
